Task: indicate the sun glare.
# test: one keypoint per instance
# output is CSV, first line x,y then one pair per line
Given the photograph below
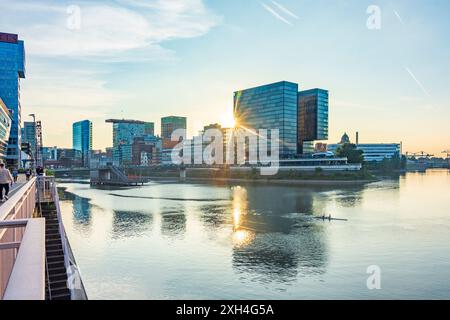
x,y
228,121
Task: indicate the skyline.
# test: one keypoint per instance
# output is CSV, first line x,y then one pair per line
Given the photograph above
x,y
176,62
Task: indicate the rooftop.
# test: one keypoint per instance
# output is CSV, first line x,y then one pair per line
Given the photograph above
x,y
9,37
125,121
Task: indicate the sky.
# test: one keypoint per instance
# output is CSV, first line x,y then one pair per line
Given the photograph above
x,y
385,63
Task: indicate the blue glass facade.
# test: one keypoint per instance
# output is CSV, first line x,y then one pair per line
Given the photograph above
x,y
12,69
29,134
272,106
82,138
312,117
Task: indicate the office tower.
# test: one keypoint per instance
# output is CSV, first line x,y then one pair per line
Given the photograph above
x,y
170,124
12,69
312,118
272,106
124,134
29,135
82,139
5,127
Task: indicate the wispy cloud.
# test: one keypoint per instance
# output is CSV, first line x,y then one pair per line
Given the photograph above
x,y
69,72
413,76
398,17
275,14
107,28
285,10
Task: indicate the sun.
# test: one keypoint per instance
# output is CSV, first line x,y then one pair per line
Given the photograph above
x,y
228,121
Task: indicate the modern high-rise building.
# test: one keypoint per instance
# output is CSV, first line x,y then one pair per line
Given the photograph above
x,y
29,135
12,69
272,106
82,139
312,118
124,134
5,128
170,124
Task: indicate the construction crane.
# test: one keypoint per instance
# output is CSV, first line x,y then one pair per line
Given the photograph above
x,y
419,155
422,154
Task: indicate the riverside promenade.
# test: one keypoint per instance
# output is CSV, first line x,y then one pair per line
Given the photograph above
x,y
36,261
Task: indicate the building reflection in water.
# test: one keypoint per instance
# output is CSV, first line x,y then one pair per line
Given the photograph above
x,y
173,221
127,224
274,239
82,215
81,211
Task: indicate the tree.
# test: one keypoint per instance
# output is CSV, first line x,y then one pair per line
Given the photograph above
x,y
349,151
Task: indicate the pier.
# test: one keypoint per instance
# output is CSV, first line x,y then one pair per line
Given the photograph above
x,y
113,176
36,260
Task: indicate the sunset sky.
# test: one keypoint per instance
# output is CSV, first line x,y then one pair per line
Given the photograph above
x,y
147,59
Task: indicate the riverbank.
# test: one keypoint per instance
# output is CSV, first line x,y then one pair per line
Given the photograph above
x,y
292,182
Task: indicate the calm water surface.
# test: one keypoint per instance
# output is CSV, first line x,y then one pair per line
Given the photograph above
x,y
194,241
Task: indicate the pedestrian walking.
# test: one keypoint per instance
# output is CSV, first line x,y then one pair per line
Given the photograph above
x,y
28,174
6,180
15,175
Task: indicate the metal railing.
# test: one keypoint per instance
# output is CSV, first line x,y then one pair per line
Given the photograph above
x,y
48,191
15,216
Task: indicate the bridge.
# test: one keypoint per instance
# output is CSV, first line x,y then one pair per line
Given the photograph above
x,y
36,261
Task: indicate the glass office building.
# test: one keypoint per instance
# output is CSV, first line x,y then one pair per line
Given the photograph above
x,y
312,118
374,152
12,69
124,134
272,106
82,139
5,128
29,135
170,124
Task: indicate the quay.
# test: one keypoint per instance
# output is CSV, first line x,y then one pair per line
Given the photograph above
x,y
36,260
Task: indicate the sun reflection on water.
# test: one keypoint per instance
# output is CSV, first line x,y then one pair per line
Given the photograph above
x,y
241,236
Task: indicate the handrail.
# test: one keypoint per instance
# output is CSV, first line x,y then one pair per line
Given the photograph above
x,y
13,223
69,261
46,259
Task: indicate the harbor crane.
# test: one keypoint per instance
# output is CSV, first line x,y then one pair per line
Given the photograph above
x,y
420,155
447,152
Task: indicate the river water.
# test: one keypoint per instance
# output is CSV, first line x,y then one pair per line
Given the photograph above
x,y
207,241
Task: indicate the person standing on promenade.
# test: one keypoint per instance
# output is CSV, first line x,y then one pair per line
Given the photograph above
x,y
6,180
28,174
15,175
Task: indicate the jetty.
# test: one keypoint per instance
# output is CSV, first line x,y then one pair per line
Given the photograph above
x,y
113,176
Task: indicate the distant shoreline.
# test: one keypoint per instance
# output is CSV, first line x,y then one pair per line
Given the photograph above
x,y
295,182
